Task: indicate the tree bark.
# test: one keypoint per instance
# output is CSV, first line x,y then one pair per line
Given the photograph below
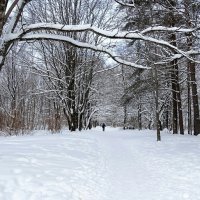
x,y
158,125
3,4
174,100
179,104
139,116
189,102
195,102
194,98
176,94
125,116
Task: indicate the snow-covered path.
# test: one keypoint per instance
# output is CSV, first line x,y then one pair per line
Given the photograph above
x,y
140,168
115,165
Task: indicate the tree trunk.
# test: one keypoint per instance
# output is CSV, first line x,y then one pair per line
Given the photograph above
x,y
194,98
189,102
158,124
176,94
3,4
180,113
125,116
74,122
80,126
166,121
71,91
174,100
195,102
139,117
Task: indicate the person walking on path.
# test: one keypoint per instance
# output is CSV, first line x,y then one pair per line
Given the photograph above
x,y
103,126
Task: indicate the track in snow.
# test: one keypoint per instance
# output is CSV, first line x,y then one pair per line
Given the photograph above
x,y
96,165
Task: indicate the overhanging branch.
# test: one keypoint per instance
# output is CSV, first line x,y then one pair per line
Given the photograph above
x,y
134,35
76,43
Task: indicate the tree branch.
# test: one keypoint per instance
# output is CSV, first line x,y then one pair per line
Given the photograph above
x,y
134,35
125,4
75,43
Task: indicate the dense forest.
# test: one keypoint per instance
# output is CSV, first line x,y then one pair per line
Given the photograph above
x,y
79,63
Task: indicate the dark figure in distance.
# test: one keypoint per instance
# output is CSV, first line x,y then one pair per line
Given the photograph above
x,y
103,126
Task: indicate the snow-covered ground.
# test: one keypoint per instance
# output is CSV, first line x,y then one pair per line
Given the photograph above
x,y
96,165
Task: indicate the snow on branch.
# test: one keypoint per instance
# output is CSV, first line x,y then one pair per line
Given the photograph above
x,y
10,9
126,4
19,5
178,56
169,29
134,35
76,43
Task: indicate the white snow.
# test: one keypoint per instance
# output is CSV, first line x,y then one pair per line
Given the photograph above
x,y
28,33
77,44
97,165
168,29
